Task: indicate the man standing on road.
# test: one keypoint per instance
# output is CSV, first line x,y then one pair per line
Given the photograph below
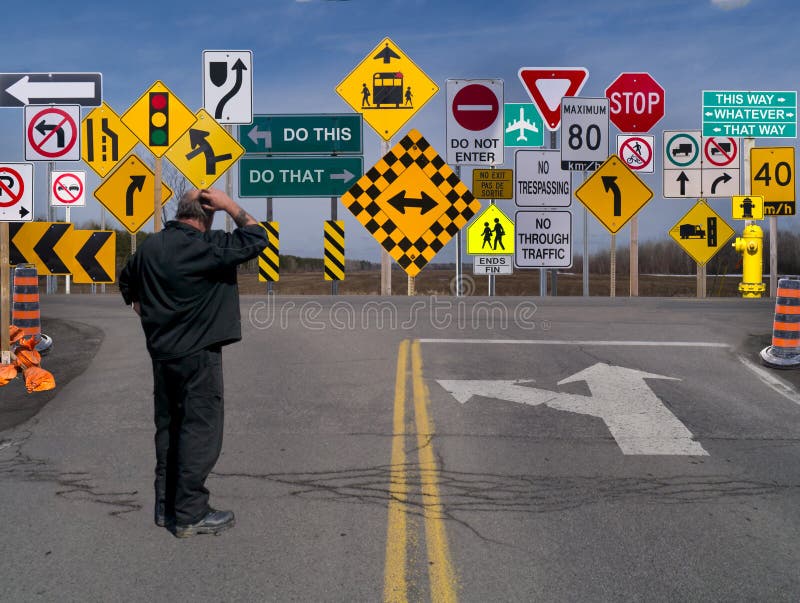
x,y
182,283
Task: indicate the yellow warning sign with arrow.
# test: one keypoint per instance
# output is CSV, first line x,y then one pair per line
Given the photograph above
x,y
387,88
205,151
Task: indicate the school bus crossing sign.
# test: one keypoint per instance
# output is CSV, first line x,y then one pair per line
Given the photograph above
x,y
387,88
411,202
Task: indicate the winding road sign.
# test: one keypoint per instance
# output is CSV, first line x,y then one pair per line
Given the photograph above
x,y
228,85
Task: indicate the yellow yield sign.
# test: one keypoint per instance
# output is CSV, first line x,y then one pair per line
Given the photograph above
x,y
701,232
491,233
106,140
614,194
747,207
411,202
205,151
387,88
158,118
128,193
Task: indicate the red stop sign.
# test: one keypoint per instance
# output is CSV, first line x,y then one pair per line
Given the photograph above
x,y
636,102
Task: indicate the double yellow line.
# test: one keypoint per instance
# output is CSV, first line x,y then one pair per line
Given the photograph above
x,y
441,577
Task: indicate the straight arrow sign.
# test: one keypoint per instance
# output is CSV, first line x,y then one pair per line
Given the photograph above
x,y
20,89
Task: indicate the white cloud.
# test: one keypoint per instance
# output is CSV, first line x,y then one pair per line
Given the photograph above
x,y
730,4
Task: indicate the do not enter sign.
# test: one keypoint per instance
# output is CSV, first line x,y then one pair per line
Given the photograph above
x,y
636,102
474,122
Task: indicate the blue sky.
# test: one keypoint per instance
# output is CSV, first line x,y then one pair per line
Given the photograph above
x,y
303,49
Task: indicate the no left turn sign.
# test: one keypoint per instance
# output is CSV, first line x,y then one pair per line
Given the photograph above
x,y
68,189
52,133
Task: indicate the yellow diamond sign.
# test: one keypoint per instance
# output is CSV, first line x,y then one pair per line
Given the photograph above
x,y
205,152
411,202
701,232
491,233
106,140
387,88
158,118
129,193
614,194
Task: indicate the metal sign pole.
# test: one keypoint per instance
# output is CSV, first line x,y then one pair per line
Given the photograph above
x,y
156,198
228,184
5,295
269,219
773,256
613,266
459,251
491,276
585,246
386,259
68,277
103,227
634,257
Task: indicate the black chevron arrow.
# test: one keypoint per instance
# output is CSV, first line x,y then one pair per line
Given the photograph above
x,y
44,248
14,255
400,202
87,257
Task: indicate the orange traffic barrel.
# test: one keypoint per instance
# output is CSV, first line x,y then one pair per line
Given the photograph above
x,y
784,352
25,312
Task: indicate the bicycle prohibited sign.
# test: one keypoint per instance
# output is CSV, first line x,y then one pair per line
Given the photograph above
x,y
52,133
637,152
68,189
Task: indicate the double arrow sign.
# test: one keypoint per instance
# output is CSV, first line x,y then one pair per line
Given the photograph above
x,y
56,248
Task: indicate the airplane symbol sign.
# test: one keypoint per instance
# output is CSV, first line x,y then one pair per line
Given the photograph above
x,y
523,126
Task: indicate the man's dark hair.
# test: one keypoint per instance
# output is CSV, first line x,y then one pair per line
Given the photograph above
x,y
189,207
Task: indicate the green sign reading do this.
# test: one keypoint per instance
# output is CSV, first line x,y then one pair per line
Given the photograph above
x,y
297,134
298,176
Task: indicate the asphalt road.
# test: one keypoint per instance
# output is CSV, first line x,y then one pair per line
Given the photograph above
x,y
563,449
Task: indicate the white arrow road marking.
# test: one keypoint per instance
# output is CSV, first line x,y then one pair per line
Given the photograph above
x,y
24,90
635,416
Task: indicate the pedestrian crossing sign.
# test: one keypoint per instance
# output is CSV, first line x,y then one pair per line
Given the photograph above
x,y
491,233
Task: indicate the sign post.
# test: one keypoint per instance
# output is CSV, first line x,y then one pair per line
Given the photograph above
x,y
5,296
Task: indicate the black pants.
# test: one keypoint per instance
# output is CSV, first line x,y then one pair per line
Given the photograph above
x,y
189,418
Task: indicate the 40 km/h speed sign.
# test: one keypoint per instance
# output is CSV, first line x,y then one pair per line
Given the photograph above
x,y
772,176
584,133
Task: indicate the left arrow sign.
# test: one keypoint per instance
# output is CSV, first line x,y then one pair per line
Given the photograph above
x,y
20,89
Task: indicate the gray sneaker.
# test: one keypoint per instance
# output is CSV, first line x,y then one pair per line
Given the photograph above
x,y
213,523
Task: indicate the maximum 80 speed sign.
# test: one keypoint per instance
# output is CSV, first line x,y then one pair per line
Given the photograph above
x,y
584,133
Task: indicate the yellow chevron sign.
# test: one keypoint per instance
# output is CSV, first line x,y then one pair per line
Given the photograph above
x,y
56,248
90,255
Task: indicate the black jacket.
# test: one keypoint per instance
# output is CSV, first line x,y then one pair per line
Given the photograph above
x,y
185,282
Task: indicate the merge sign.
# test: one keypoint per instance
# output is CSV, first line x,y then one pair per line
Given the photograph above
x,y
749,113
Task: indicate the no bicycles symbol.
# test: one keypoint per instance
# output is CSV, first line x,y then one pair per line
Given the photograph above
x,y
637,152
51,133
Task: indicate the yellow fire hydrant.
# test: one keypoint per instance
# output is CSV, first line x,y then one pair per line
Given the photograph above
x,y
751,245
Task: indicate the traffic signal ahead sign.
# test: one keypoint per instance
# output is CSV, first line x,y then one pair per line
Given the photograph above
x,y
158,118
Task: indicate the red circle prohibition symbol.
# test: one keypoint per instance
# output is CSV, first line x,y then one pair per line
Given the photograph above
x,y
68,144
727,150
475,107
5,188
643,161
65,188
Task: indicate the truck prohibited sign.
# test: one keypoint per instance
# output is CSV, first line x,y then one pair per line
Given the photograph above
x,y
720,151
